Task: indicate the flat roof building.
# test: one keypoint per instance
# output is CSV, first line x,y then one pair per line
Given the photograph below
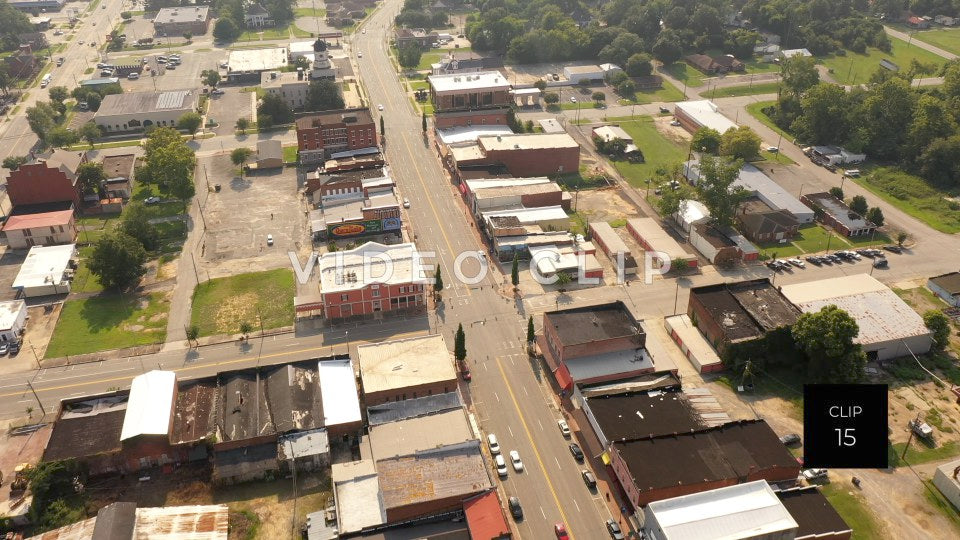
x,y
889,327
947,287
319,136
837,215
816,518
176,21
415,435
356,488
136,111
653,238
697,114
247,64
947,481
46,270
692,344
13,319
758,184
406,368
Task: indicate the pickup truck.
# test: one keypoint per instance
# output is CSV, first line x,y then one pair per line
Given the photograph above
x,y
921,429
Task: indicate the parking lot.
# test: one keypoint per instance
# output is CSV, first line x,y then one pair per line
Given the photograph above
x,y
269,204
160,77
229,107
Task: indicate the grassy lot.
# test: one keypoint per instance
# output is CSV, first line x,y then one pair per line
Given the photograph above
x,y
290,154
109,322
915,197
856,68
220,305
919,452
770,157
947,39
434,55
683,72
813,238
101,146
419,85
657,150
669,92
746,90
309,12
755,110
938,501
853,510
273,33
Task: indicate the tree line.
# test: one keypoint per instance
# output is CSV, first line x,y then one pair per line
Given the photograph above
x,y
230,22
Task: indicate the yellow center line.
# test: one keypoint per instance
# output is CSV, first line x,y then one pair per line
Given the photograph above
x,y
536,452
416,169
199,366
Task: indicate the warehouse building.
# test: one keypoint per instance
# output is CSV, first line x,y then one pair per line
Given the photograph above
x,y
248,64
177,21
947,287
136,111
46,270
694,115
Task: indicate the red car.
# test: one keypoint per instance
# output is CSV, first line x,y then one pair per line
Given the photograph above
x,y
561,532
464,370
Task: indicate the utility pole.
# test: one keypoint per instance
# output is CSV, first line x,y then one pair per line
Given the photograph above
x,y
195,274
260,320
35,357
35,396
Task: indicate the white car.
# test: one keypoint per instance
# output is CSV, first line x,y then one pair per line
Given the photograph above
x,y
501,465
515,459
814,474
133,76
359,55
364,31
564,428
406,202
380,107
573,99
269,239
493,444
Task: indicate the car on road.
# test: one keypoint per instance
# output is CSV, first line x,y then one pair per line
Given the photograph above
x,y
790,439
60,61
561,531
515,509
576,451
151,200
269,239
80,42
406,202
564,428
501,465
614,529
380,107
364,31
217,92
515,459
664,110
773,149
133,76
493,444
588,479
359,55
573,99
814,474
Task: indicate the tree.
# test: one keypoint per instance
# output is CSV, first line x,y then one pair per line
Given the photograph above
x,y
42,118
671,199
798,74
741,143
117,260
940,161
210,77
135,222
61,137
245,328
824,115
716,191
668,47
423,122
324,95
190,122
90,176
187,36
56,499
126,15
528,126
5,79
836,192
901,238
89,132
540,85
383,131
14,162
515,270
598,97
225,30
939,324
193,333
680,265
563,279
460,344
276,108
437,282
626,89
239,157
706,140
531,332
638,65
409,55
58,93
859,204
551,97
242,124
827,338
875,216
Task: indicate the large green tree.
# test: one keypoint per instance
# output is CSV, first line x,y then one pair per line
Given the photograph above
x,y
798,74
740,143
239,157
826,336
409,55
90,175
716,190
15,22
190,122
823,118
226,30
276,108
42,118
136,223
117,260
706,140
210,77
89,132
324,95
939,325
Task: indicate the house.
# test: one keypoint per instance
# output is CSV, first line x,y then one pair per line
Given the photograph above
x,y
320,135
180,20
254,16
40,224
36,40
455,63
416,36
946,480
713,65
947,287
13,320
918,23
50,178
713,244
790,53
761,223
269,154
945,20
358,282
730,314
689,213
407,368
837,215
609,133
137,111
119,172
889,327
46,270
22,63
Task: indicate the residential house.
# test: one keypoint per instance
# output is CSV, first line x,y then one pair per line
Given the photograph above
x,y
761,223
836,214
22,63
255,16
917,23
713,65
119,172
416,36
36,40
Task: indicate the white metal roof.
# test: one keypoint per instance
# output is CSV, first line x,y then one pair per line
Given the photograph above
x,y
459,134
881,315
530,215
150,407
44,265
250,60
550,125
551,259
691,211
405,362
609,133
9,312
749,510
338,392
484,183
692,339
359,503
705,113
657,238
370,263
484,80
787,53
527,141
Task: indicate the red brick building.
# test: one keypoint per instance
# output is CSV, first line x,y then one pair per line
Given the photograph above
x,y
319,135
528,154
484,117
47,180
405,369
359,282
470,99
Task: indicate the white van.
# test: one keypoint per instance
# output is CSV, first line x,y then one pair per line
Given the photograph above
x,y
493,444
852,173
45,80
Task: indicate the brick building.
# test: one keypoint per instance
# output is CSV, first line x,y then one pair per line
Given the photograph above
x,y
47,180
836,214
481,98
528,154
761,223
360,282
405,369
176,21
319,135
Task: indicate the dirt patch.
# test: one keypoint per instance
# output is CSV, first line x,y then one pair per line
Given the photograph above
x,y
158,317
674,133
607,204
167,270
235,308
133,327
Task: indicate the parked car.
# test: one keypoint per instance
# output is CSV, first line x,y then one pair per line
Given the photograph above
x,y
790,439
501,465
493,444
893,249
515,459
573,99
269,239
588,479
881,263
4,349
675,123
133,76
564,428
151,200
359,55
815,260
614,529
773,149
406,202
815,474
60,61
664,110
217,92
796,262
14,347
380,107
464,370
835,258
515,509
576,451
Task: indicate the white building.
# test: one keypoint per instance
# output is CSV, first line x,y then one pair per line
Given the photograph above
x,y
743,511
691,212
694,115
46,270
150,407
754,181
692,343
135,111
945,478
575,74
250,63
889,328
13,319
947,287
292,87
790,53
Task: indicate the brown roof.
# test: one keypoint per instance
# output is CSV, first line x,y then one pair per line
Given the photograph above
x,y
87,428
194,415
700,61
812,512
119,166
342,116
948,282
580,325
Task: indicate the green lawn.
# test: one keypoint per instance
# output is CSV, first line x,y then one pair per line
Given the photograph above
x,y
310,12
852,508
669,92
290,154
220,305
274,33
919,452
109,322
857,68
433,56
746,90
419,85
657,150
813,238
914,196
947,39
684,73
755,110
